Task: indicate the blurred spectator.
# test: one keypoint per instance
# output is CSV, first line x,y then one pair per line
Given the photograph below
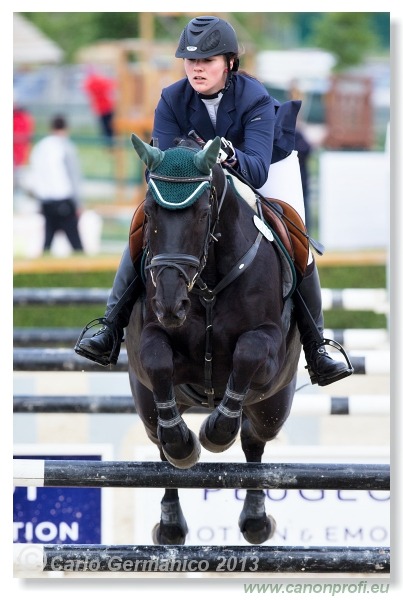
x,y
303,148
23,130
55,182
101,93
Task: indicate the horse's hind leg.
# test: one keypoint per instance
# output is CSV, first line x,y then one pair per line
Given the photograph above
x,y
261,423
172,528
255,525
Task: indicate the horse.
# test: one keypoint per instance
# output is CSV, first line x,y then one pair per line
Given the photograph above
x,y
213,329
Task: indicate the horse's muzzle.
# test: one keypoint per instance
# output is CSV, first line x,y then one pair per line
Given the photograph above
x,y
171,317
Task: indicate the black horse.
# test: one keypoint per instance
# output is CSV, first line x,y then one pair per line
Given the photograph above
x,y
213,330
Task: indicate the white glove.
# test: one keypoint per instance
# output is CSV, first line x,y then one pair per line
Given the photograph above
x,y
226,153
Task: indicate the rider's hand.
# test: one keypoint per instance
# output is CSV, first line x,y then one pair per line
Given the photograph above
x,y
227,153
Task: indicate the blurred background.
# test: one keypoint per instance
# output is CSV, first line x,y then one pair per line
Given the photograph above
x,y
337,63
90,67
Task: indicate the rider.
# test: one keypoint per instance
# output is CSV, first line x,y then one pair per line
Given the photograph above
x,y
216,99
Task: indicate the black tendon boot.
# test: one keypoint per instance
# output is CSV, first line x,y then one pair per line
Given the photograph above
x,y
322,369
104,346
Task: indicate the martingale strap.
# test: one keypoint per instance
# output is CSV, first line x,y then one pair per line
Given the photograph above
x,y
240,267
207,299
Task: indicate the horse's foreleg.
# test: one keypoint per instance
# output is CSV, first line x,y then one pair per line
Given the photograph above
x,y
179,445
255,350
218,432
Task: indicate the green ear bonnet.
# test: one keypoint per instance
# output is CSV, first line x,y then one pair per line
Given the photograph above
x,y
178,164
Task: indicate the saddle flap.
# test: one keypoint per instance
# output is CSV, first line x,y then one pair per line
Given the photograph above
x,y
287,228
136,236
291,230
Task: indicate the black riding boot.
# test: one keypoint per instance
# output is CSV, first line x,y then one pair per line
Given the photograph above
x,y
104,346
322,369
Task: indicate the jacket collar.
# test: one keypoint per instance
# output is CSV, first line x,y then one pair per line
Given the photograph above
x,y
201,121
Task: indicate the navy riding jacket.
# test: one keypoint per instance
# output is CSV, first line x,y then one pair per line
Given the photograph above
x,y
261,129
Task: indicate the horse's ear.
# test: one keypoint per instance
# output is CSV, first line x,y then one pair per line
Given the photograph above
x,y
206,158
151,157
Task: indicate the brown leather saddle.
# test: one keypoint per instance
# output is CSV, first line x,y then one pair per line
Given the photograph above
x,y
290,229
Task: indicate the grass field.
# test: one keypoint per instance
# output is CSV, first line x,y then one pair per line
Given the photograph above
x,y
78,316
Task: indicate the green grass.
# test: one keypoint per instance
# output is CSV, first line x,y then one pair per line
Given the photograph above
x,y
78,316
352,277
60,316
80,279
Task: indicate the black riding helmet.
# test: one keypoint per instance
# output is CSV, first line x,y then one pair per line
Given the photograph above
x,y
207,36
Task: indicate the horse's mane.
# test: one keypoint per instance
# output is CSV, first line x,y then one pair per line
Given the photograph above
x,y
186,142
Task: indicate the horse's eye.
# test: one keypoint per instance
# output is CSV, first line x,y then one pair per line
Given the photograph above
x,y
149,219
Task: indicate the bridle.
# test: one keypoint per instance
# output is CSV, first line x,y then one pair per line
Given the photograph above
x,y
158,263
207,296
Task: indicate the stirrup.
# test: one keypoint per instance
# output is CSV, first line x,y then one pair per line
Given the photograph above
x,y
349,370
104,362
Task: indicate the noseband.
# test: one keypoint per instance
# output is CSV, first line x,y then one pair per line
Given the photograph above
x,y
175,261
179,261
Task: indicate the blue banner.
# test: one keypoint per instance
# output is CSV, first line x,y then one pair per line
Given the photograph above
x,y
57,515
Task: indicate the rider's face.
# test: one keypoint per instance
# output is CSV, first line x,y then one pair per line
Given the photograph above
x,y
206,75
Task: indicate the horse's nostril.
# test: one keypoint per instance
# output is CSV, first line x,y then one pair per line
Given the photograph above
x,y
174,315
157,308
182,308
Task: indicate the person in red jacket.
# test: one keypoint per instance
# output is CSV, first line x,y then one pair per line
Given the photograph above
x,y
23,130
101,93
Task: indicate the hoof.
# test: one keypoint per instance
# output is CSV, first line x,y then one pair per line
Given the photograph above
x,y
208,444
172,528
168,535
188,461
257,531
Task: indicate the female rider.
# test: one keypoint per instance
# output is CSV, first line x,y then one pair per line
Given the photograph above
x,y
214,99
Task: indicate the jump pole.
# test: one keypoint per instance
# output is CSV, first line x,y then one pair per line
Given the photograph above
x,y
87,473
373,299
218,559
62,359
303,404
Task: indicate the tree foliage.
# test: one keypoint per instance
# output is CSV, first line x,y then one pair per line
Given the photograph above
x,y
349,36
74,30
